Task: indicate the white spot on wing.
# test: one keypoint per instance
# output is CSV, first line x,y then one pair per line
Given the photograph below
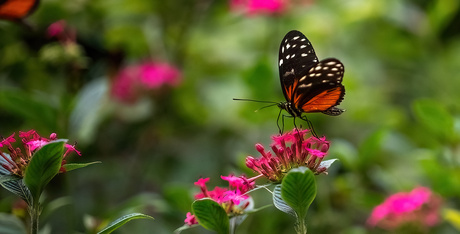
x,y
303,78
318,68
288,45
288,56
334,69
292,56
282,49
302,46
281,62
304,55
295,38
303,39
305,85
331,63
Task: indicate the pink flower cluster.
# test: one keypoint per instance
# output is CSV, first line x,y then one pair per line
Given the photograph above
x,y
233,199
291,150
259,7
420,207
136,79
16,161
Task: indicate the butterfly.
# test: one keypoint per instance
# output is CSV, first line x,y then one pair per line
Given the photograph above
x,y
16,10
308,84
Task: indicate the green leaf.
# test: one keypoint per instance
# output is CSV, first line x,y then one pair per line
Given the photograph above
x,y
435,117
211,215
10,224
298,190
122,220
43,166
15,184
72,166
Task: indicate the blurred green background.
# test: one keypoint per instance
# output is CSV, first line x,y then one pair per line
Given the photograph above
x,y
401,127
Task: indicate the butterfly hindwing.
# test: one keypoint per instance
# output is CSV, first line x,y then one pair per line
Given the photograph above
x,y
320,88
296,57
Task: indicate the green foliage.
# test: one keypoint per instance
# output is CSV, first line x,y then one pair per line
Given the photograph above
x,y
43,166
211,215
435,118
73,166
121,221
400,130
298,190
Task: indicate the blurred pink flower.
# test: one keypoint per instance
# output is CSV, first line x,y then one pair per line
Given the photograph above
x,y
17,161
62,32
133,80
290,150
420,206
259,7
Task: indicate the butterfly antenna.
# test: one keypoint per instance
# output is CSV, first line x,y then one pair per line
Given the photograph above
x,y
252,100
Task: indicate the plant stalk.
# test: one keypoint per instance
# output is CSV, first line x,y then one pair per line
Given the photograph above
x,y
34,212
301,226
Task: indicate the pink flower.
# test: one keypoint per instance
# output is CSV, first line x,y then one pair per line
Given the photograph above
x,y
291,150
62,32
154,75
56,28
420,207
133,80
233,199
259,7
16,161
191,219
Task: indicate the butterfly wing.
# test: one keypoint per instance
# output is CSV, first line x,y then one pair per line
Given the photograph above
x,y
16,9
296,57
320,89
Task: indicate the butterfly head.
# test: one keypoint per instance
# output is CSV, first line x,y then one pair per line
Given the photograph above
x,y
287,106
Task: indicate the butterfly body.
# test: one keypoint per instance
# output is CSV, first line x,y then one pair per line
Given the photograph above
x,y
309,85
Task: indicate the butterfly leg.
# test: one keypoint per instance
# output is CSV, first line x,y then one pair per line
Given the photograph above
x,y
310,126
278,122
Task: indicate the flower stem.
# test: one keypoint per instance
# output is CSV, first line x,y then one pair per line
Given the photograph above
x,y
34,212
301,226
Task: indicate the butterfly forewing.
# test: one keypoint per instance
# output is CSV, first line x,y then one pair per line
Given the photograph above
x,y
296,57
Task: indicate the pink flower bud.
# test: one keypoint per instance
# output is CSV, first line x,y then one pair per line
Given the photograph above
x,y
260,148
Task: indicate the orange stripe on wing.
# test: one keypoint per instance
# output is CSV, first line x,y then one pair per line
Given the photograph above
x,y
324,100
290,90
